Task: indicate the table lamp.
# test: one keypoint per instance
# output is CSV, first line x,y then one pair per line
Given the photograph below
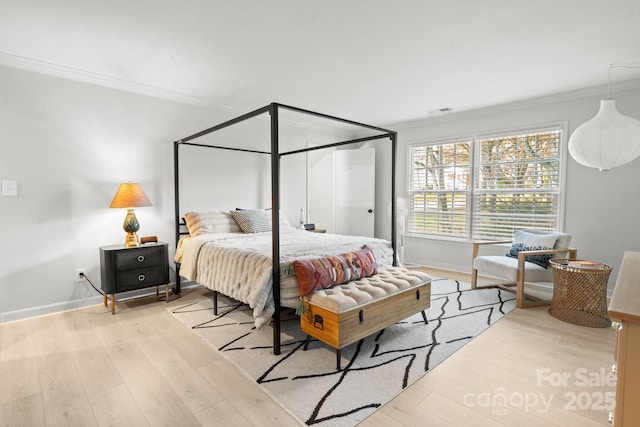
x,y
130,196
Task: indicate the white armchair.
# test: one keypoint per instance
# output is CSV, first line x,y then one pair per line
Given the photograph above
x,y
516,271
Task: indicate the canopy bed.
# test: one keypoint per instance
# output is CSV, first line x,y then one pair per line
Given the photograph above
x,y
267,246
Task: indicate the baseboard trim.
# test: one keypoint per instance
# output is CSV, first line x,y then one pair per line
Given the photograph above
x,y
60,307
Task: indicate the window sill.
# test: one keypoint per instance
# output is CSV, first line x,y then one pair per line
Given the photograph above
x,y
449,239
436,237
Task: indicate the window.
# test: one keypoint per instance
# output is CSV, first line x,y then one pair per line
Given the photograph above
x,y
440,189
485,188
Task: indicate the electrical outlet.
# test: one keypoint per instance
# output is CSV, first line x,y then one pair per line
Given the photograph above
x,y
80,273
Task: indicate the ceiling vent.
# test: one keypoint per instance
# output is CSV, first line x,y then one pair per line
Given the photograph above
x,y
439,112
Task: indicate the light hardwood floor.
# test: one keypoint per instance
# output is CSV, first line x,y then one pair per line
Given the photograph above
x,y
143,367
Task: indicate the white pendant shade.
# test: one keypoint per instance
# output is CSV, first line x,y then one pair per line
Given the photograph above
x,y
608,140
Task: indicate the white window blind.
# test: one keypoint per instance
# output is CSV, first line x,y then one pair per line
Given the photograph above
x,y
440,189
485,188
517,184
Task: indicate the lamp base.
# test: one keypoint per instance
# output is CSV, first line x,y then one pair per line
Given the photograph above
x,y
131,241
131,226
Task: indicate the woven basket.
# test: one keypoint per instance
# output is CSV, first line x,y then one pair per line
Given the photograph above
x,y
580,294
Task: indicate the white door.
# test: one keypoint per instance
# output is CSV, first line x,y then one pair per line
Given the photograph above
x,y
320,199
354,190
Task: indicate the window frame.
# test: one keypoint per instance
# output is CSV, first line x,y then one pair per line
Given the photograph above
x,y
475,139
468,192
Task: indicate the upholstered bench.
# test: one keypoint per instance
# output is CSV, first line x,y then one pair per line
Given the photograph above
x,y
343,314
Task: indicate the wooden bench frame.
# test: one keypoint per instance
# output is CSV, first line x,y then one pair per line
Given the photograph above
x,y
339,330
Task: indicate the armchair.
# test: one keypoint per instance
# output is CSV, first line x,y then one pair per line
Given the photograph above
x,y
515,269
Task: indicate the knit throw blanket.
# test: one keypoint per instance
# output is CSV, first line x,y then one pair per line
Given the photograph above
x,y
239,265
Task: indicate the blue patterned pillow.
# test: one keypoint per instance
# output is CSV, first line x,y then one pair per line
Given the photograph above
x,y
523,241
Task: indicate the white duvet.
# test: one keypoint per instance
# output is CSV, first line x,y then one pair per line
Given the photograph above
x,y
239,265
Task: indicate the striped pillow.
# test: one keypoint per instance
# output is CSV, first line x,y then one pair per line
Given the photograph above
x,y
252,220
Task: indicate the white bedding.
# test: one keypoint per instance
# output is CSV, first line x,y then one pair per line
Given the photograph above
x,y
239,265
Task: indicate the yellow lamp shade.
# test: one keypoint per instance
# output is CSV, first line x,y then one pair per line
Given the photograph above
x,y
130,195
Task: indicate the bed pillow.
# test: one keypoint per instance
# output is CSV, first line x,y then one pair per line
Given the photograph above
x,y
284,222
257,220
325,272
523,241
210,222
252,220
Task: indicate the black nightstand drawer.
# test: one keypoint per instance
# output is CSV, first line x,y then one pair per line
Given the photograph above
x,y
140,278
127,269
139,258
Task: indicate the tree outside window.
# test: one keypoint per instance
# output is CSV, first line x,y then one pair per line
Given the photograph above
x,y
485,188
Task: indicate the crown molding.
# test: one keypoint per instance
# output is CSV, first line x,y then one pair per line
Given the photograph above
x,y
528,103
70,73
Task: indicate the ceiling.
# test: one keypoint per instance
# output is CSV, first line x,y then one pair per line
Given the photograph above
x,y
374,61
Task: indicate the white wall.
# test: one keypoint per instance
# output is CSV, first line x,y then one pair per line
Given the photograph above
x,y
321,196
69,145
601,209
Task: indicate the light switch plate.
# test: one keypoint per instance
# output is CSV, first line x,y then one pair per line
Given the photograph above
x,y
9,188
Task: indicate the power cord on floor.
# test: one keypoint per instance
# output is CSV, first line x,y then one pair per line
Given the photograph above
x,y
84,276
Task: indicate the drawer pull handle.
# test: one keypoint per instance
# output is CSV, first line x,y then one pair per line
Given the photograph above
x,y
140,258
616,325
141,278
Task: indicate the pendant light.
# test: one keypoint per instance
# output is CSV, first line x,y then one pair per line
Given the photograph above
x,y
609,139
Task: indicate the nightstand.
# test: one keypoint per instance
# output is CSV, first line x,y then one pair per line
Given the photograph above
x,y
127,269
317,230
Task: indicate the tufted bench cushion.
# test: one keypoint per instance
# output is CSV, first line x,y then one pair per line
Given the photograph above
x,y
366,290
346,313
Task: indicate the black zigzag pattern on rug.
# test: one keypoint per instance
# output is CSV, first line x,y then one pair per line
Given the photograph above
x,y
389,360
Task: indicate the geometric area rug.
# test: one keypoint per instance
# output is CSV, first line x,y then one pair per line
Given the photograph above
x,y
374,370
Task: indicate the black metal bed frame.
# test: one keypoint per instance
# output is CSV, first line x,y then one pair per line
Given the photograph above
x,y
275,154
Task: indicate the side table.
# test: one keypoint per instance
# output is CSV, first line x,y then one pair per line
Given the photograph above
x,y
126,269
580,292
